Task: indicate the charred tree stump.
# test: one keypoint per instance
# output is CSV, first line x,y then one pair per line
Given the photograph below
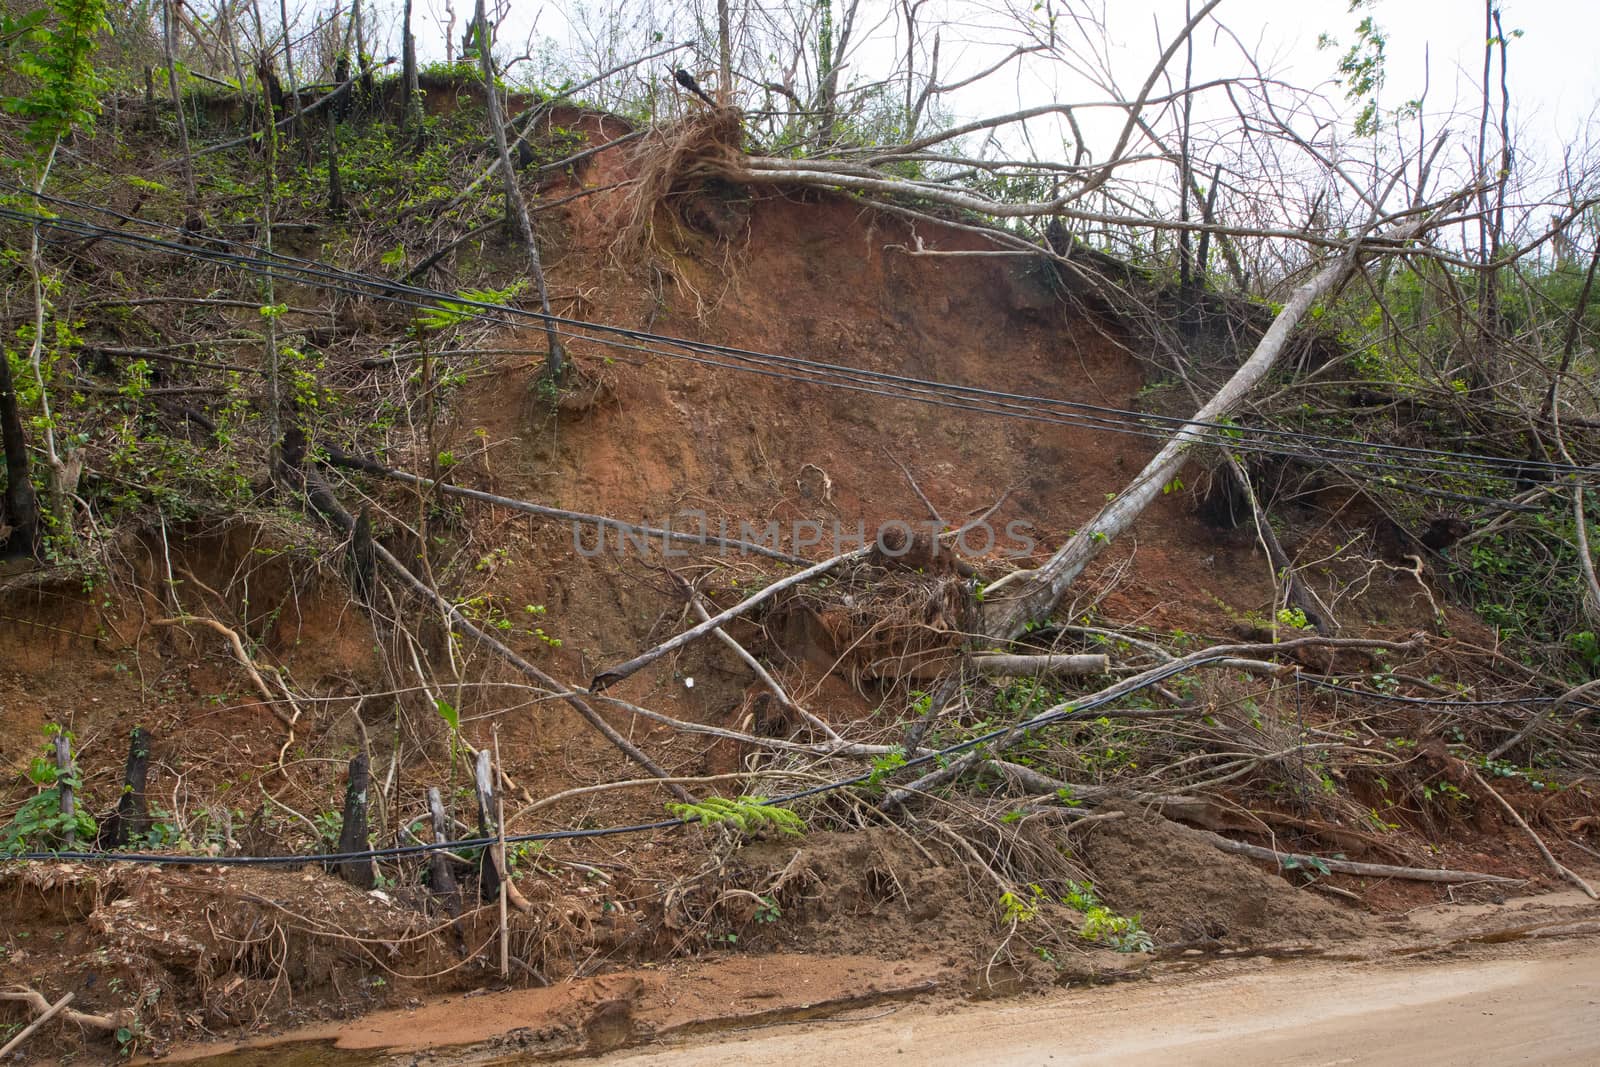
x,y
131,819
441,879
361,563
353,832
491,865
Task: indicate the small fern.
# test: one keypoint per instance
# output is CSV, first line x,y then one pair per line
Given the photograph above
x,y
747,815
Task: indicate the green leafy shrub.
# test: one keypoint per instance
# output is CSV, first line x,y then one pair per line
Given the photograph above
x,y
40,825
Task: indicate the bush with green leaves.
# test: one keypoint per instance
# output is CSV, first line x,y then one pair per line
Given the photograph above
x,y
1100,924
40,825
59,41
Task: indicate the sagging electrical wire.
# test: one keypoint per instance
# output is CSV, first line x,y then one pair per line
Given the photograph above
x,y
959,397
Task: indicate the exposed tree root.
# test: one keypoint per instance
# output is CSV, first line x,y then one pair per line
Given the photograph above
x,y
1555,864
249,665
109,1023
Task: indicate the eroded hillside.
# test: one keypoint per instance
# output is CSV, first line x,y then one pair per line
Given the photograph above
x,y
224,607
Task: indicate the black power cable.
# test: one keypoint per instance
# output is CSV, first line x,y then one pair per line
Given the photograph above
x,y
969,398
1064,713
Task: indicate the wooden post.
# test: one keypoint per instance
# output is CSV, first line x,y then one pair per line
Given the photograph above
x,y
132,816
353,833
492,871
440,878
64,775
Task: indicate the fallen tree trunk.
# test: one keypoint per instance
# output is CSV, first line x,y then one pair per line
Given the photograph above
x,y
765,676
623,670
1036,593
1298,593
1366,870
1029,666
1556,865
108,1023
28,1031
1077,711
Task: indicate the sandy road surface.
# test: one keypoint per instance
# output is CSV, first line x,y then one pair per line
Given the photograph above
x,y
1533,1003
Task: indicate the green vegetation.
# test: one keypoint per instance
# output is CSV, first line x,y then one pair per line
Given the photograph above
x,y
41,825
743,815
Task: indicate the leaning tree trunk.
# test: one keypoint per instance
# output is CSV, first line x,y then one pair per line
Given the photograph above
x,y
1032,595
516,206
169,33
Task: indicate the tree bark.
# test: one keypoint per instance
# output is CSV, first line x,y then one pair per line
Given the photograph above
x,y
1339,866
294,85
336,205
132,816
411,113
724,53
19,510
1032,666
353,831
169,31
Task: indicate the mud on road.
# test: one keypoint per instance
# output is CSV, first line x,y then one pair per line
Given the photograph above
x,y
1536,1004
1515,983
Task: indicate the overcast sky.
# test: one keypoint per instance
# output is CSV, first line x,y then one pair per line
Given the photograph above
x,y
1554,77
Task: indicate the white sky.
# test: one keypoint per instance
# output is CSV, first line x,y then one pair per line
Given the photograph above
x,y
1553,71
1554,76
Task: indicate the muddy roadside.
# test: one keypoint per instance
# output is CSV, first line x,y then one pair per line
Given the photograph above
x,y
1530,1003
1529,956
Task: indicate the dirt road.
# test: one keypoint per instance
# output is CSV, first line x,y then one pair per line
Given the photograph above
x,y
1532,1003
